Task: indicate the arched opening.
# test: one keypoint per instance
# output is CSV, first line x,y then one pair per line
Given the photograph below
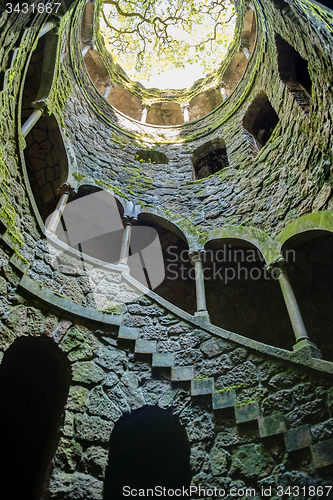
x,y
178,285
34,382
148,448
294,72
165,113
260,119
151,156
46,162
310,255
242,296
92,224
210,158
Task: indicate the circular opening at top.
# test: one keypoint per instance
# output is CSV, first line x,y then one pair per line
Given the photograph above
x,y
168,44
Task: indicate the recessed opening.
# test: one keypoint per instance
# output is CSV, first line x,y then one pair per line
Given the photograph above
x,y
294,72
34,381
311,275
150,156
280,4
242,296
148,448
260,119
210,158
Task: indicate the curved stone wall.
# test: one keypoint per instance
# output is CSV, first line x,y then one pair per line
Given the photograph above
x,y
255,404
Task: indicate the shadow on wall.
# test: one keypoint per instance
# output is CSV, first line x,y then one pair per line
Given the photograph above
x,y
148,448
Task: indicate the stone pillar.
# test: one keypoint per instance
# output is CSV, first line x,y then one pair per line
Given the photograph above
x,y
144,114
186,109
85,49
31,121
302,338
247,52
48,26
196,260
223,93
125,244
66,190
108,89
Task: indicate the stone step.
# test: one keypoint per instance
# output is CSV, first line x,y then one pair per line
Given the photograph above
x,y
145,346
247,412
202,386
163,360
128,333
223,399
182,373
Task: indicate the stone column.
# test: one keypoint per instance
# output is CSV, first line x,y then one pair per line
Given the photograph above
x,y
223,93
186,109
247,52
85,49
108,89
302,338
125,244
48,26
144,114
66,190
196,260
31,121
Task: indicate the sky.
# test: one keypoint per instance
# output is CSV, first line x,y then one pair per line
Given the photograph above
x,y
174,78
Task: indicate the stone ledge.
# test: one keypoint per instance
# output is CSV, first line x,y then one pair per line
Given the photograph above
x,y
65,305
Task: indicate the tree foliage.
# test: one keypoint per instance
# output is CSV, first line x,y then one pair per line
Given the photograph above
x,y
151,35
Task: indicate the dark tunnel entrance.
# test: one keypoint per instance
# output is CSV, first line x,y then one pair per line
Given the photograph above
x,y
148,449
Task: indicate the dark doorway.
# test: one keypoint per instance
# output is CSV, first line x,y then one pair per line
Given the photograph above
x,y
34,380
148,448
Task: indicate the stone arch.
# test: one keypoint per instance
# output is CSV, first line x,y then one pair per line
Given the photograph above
x,y
294,72
34,382
156,436
260,119
46,163
241,295
250,236
210,158
308,222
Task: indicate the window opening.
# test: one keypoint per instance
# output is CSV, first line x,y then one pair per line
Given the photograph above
x,y
294,72
210,158
260,119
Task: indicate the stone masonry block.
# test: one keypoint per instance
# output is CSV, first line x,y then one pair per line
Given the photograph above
x,y
145,346
182,373
128,332
224,399
274,424
298,438
163,360
247,412
322,453
202,386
